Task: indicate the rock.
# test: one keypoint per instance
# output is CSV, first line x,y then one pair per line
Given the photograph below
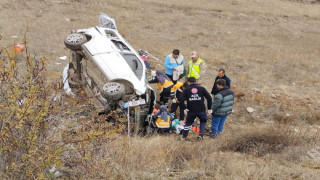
x,y
57,174
63,58
255,90
273,96
250,109
52,169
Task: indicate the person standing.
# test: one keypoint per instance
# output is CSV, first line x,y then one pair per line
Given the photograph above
x,y
171,62
194,94
164,85
196,67
221,75
221,107
176,92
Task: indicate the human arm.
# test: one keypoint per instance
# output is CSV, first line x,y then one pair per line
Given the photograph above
x,y
187,71
202,69
167,63
155,80
216,102
172,92
182,97
228,82
208,97
214,87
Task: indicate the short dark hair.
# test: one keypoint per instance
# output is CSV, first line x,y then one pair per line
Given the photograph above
x,y
185,84
192,79
176,52
221,82
222,70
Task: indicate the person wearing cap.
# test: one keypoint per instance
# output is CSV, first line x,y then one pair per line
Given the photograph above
x,y
171,62
221,75
195,94
221,107
196,66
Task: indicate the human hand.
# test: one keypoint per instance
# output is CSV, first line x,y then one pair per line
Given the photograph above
x,y
174,101
174,69
186,111
210,111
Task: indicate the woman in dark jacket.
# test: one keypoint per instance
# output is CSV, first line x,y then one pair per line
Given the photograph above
x,y
164,85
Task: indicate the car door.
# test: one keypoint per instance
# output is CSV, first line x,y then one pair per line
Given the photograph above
x,y
107,22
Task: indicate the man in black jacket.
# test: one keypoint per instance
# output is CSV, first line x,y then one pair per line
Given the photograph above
x,y
194,95
221,107
221,75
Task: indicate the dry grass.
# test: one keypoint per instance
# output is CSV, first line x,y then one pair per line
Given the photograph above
x,y
260,142
254,154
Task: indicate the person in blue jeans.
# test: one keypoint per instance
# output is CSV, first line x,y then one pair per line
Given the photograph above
x,y
195,95
221,107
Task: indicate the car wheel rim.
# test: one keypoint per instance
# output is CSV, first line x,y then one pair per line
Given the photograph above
x,y
74,38
112,88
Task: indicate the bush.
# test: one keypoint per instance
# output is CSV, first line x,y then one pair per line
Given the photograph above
x,y
41,137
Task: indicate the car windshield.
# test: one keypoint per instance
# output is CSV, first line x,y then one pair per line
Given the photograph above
x,y
134,63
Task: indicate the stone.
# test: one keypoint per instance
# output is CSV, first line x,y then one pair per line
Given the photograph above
x,y
250,109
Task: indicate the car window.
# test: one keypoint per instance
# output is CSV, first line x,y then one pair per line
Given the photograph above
x,y
120,45
134,63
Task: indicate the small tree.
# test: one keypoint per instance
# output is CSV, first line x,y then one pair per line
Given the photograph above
x,y
25,102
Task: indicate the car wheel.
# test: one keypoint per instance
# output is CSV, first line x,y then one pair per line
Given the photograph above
x,y
114,90
74,41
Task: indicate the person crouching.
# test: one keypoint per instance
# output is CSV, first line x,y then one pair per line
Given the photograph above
x,y
161,122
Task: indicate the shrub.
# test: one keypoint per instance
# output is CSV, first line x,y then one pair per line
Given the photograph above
x,y
40,135
25,102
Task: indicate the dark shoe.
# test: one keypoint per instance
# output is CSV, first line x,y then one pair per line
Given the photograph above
x,y
213,136
200,138
183,138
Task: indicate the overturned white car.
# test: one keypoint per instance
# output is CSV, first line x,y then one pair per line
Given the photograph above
x,y
111,70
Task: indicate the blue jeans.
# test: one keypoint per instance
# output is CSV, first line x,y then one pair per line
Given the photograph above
x,y
191,116
218,124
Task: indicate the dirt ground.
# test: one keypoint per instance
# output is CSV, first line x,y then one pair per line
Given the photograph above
x,y
270,49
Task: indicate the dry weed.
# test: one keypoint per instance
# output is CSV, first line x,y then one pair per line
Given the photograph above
x,y
260,142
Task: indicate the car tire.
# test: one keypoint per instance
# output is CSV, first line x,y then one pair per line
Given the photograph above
x,y
114,90
74,41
